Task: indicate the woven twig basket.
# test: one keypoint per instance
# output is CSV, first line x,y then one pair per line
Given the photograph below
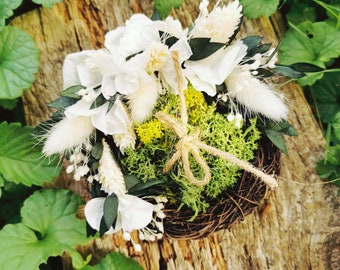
x,y
232,206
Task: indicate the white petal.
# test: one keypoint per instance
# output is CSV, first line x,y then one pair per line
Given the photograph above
x,y
77,72
94,211
255,95
66,134
215,68
112,122
108,87
135,213
80,108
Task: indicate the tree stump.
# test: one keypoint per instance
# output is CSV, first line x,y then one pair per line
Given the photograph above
x,y
298,227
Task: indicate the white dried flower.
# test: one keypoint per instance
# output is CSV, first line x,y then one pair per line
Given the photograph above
x,y
255,95
220,24
110,175
68,134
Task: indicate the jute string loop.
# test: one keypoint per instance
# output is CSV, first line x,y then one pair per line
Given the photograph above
x,y
191,144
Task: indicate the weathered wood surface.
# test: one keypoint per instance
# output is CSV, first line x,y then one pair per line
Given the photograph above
x,y
300,227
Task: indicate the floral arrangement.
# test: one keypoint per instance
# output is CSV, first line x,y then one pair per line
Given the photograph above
x,y
163,115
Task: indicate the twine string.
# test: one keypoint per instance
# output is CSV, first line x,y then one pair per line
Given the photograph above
x,y
191,144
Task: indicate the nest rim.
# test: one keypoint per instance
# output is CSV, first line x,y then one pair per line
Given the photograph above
x,y
231,207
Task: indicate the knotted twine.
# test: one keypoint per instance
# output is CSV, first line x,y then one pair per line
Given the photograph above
x,y
191,144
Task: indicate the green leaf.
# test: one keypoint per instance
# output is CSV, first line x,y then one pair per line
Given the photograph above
x,y
21,160
324,169
332,155
47,3
100,100
115,261
71,92
6,10
62,102
300,12
306,67
315,43
2,183
327,95
110,211
49,227
256,8
164,7
287,71
336,125
131,181
9,104
202,48
277,139
19,61
252,41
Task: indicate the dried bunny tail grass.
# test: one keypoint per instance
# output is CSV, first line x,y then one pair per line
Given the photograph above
x,y
67,134
256,95
143,100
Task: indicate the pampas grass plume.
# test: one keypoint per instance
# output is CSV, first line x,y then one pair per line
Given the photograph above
x,y
256,95
67,134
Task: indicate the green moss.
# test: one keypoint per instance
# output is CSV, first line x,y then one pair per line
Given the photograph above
x,y
148,160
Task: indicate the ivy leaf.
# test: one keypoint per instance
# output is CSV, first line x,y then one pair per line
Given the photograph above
x,y
47,3
6,10
332,155
327,95
19,62
21,160
163,7
255,9
49,227
115,261
336,125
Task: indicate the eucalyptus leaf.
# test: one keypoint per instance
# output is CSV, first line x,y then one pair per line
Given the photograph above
x,y
306,67
100,100
115,261
97,150
287,71
202,48
71,92
62,102
110,211
141,187
251,42
21,160
254,9
277,139
19,62
49,227
131,181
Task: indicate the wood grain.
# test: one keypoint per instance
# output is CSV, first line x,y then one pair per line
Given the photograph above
x,y
300,227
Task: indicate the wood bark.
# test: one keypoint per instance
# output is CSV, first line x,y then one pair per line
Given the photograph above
x,y
298,227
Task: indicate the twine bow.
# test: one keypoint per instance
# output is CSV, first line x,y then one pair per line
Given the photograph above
x,y
191,144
